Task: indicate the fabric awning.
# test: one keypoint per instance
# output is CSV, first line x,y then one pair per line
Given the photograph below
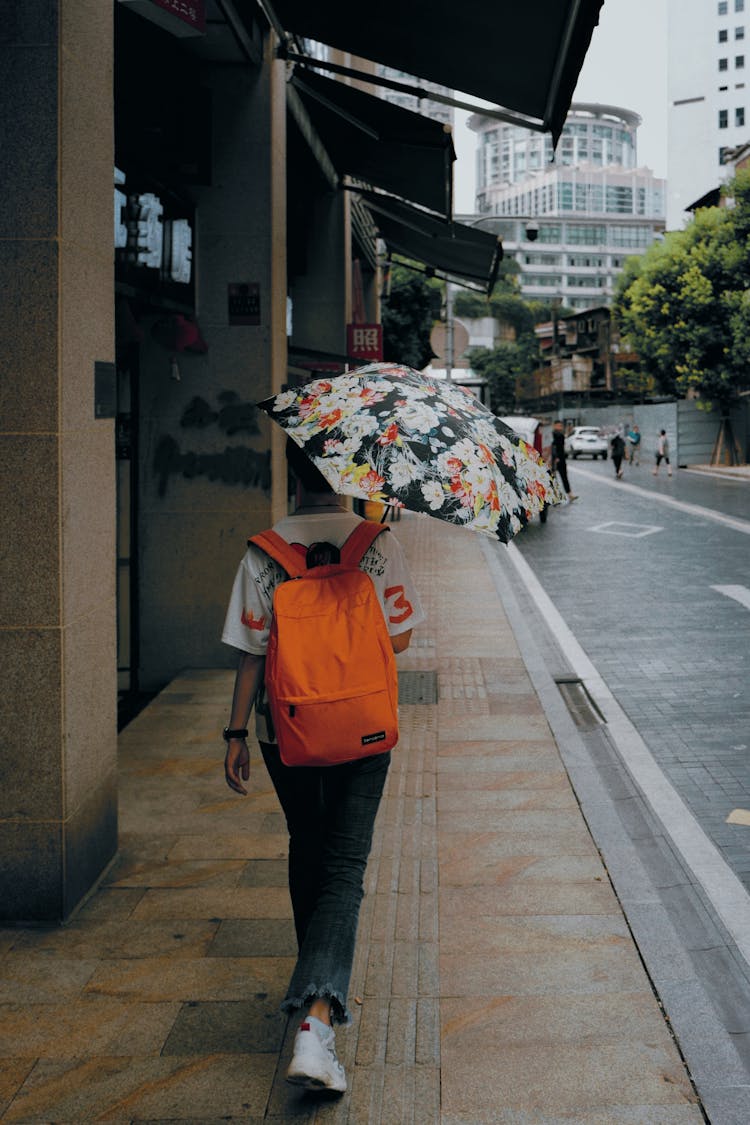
x,y
525,57
380,143
452,249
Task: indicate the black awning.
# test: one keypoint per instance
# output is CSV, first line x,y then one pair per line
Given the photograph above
x,y
712,198
379,143
451,249
525,57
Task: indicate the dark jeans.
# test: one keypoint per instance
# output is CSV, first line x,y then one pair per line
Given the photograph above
x,y
330,813
561,465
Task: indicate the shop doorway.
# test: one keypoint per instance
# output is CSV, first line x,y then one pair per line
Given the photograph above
x,y
126,452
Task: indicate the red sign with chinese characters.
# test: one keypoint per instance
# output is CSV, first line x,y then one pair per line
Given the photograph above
x,y
364,342
191,12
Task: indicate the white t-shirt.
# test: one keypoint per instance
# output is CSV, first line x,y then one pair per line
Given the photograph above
x,y
248,619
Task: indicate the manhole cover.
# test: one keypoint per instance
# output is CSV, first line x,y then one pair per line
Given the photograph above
x,y
417,687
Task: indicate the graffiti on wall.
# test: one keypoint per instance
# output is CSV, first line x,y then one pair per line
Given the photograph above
x,y
232,417
235,464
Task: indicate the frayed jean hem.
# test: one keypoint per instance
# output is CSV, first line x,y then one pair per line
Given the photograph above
x,y
339,1011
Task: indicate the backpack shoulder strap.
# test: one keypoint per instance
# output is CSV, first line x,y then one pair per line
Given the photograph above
x,y
360,541
280,551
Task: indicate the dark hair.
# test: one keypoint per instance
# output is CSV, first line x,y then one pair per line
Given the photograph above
x,y
309,476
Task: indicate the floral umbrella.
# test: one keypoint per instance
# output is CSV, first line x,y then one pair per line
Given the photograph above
x,y
389,433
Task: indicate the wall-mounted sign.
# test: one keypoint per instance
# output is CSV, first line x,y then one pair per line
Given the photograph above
x,y
180,262
147,238
243,302
364,342
180,17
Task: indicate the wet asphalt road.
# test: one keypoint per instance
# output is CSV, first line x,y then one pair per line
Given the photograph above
x,y
634,579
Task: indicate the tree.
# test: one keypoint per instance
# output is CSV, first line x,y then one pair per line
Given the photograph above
x,y
684,306
407,318
501,367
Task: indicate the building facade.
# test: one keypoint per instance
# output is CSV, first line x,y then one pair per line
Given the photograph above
x,y
570,224
438,111
709,58
177,244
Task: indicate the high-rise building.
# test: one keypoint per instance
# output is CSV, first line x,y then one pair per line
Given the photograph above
x,y
438,111
570,222
708,101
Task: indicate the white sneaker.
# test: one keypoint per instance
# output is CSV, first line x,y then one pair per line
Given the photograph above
x,y
314,1064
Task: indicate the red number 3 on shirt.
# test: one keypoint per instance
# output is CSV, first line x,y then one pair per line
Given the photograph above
x,y
399,603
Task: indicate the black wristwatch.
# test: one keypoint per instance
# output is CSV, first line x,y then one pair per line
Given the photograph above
x,y
233,732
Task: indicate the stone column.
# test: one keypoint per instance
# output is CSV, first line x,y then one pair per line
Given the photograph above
x,y
58,827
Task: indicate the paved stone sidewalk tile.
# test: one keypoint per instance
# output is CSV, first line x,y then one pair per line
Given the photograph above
x,y
254,937
13,1073
226,1027
122,939
209,978
33,978
94,1026
572,1078
205,902
125,1089
492,937
242,845
592,968
612,1115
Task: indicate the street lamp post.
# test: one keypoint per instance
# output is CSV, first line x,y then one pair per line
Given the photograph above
x,y
556,302
449,338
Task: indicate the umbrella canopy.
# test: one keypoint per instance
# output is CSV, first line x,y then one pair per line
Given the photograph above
x,y
391,434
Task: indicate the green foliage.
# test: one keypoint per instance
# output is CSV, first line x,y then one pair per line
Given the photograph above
x,y
502,367
513,359
407,317
684,306
472,305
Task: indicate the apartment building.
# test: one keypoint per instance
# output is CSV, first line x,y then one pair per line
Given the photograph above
x,y
709,56
570,224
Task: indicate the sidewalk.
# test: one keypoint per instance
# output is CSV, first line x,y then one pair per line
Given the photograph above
x,y
495,978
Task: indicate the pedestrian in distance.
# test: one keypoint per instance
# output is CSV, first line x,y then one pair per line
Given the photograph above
x,y
662,453
559,458
617,446
330,809
634,443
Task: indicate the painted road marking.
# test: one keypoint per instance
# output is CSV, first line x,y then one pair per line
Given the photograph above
x,y
681,505
631,530
740,594
724,890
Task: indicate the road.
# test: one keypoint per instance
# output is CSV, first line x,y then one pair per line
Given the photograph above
x,y
631,608
652,576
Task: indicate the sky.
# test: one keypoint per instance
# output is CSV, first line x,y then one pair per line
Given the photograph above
x,y
626,66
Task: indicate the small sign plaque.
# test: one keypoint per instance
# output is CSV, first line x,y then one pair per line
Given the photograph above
x,y
244,302
364,342
105,389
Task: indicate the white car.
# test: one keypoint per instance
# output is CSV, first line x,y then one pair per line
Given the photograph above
x,y
586,441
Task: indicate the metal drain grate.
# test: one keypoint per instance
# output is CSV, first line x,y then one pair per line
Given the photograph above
x,y
584,711
417,687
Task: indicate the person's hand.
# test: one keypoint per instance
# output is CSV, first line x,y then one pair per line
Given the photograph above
x,y
237,765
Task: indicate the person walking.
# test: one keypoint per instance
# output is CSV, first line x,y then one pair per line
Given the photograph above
x,y
634,441
662,453
559,458
330,810
617,446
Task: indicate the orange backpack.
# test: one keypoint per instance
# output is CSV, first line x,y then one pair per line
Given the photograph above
x,y
330,672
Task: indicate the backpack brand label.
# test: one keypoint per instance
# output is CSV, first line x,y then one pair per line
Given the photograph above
x,y
367,739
